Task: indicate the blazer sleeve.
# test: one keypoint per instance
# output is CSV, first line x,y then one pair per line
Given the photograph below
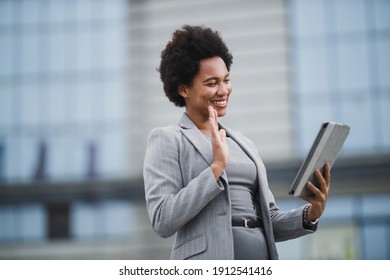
x,y
170,203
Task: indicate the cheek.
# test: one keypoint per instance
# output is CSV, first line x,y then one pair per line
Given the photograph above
x,y
207,95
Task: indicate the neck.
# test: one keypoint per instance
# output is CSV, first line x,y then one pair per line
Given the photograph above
x,y
202,123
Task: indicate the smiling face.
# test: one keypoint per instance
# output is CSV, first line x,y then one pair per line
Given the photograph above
x,y
211,86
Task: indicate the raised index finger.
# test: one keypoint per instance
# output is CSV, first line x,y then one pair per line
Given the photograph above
x,y
213,117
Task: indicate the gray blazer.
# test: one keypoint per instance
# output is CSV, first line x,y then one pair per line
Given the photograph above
x,y
183,197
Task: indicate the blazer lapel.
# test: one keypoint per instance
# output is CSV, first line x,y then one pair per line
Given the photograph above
x,y
193,134
263,185
243,144
198,140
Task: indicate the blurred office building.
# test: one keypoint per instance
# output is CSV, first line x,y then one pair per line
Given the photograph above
x,y
79,94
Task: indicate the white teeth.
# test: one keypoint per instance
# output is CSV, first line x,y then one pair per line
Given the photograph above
x,y
223,102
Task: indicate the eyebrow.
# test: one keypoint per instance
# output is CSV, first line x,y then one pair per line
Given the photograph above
x,y
215,78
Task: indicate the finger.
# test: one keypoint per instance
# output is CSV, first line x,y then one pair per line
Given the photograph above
x,y
313,189
214,125
222,132
211,113
309,198
327,174
212,119
321,180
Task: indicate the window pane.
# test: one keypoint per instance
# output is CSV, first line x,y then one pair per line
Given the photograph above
x,y
74,155
354,66
84,220
13,157
32,105
82,103
2,159
382,12
116,54
119,9
29,11
383,60
6,106
117,100
339,208
33,222
122,224
59,156
84,9
385,114
57,51
375,236
84,49
357,113
56,103
376,206
6,12
350,15
34,157
57,12
98,110
71,55
308,17
30,52
312,71
7,53
114,161
7,221
100,50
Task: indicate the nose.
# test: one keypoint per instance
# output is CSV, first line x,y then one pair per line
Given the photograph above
x,y
224,88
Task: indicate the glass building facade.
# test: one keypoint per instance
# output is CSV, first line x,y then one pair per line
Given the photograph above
x,y
341,69
340,61
63,107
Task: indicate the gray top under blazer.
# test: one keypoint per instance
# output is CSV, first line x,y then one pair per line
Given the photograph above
x,y
183,197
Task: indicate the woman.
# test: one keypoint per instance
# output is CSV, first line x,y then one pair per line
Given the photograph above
x,y
204,182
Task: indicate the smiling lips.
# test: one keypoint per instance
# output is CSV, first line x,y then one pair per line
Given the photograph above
x,y
220,103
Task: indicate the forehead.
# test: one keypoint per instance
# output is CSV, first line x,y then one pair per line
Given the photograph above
x,y
214,66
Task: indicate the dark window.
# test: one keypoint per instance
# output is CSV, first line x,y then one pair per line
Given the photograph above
x,y
58,221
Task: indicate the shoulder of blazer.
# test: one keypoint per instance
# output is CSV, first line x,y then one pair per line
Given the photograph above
x,y
168,137
185,122
169,131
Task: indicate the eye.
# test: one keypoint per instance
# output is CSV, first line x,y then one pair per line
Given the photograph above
x,y
213,84
226,81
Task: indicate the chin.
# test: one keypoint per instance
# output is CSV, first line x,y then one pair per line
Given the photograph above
x,y
221,113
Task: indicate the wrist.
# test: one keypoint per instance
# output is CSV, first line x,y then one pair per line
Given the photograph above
x,y
217,169
307,220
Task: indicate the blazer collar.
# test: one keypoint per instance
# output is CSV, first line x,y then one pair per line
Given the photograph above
x,y
195,136
185,122
200,142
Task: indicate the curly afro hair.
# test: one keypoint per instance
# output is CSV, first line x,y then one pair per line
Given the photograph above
x,y
181,58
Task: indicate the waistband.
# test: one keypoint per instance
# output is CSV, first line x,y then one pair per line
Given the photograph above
x,y
248,223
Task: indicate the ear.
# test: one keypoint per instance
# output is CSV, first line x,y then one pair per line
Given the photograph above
x,y
183,91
